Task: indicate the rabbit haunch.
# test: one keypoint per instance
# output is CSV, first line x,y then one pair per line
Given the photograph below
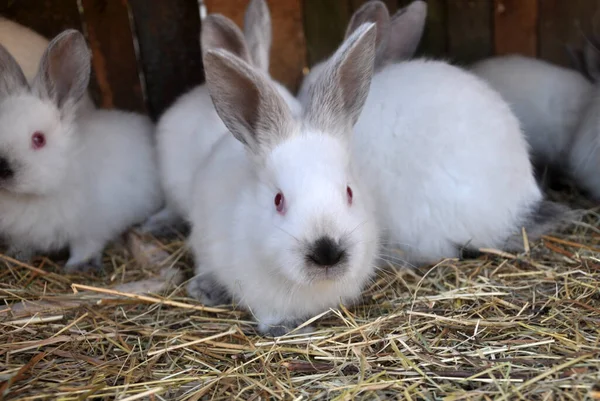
x,y
69,181
558,109
280,221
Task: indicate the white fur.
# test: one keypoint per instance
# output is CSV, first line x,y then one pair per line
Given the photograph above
x,y
107,180
189,129
548,100
27,47
256,253
93,178
446,160
262,256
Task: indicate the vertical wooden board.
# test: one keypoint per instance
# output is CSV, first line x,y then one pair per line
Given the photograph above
x,y
325,23
48,18
469,30
515,27
561,24
288,50
114,59
435,38
168,34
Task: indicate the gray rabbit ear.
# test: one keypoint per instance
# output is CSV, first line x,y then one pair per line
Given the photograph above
x,y
12,79
219,32
339,93
374,11
258,33
247,102
591,57
64,71
406,30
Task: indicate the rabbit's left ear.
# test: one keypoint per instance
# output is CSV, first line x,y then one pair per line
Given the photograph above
x,y
247,102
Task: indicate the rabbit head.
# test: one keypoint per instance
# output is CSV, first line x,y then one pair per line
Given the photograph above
x,y
397,36
37,138
314,217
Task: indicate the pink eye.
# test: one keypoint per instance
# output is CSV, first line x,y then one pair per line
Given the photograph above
x,y
279,202
38,140
349,193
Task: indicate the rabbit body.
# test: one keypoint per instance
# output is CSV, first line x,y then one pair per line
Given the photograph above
x,y
446,159
110,184
66,179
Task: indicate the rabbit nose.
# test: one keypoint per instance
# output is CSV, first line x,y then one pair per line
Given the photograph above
x,y
5,171
326,252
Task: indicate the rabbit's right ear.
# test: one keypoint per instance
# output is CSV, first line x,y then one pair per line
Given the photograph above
x,y
247,102
258,33
64,71
406,30
339,93
12,78
219,32
374,11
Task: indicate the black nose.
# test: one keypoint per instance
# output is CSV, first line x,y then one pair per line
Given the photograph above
x,y
326,252
5,171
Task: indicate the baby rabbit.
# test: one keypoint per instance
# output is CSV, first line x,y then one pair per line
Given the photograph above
x,y
27,47
446,162
187,131
67,181
397,38
280,219
558,110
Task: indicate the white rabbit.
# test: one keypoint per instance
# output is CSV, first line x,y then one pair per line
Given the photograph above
x,y
188,130
558,109
280,220
548,100
67,181
27,47
446,162
397,37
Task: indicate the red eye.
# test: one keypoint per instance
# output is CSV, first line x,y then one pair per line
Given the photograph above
x,y
38,140
349,193
279,202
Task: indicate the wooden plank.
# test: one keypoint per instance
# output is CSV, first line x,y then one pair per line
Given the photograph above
x,y
561,24
515,27
325,24
168,34
469,30
288,50
114,59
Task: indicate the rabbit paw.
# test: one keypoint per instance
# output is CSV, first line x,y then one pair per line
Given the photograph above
x,y
282,327
85,256
21,254
205,288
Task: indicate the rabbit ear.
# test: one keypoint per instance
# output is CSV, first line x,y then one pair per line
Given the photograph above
x,y
64,71
219,32
246,101
12,78
376,12
406,30
339,93
258,33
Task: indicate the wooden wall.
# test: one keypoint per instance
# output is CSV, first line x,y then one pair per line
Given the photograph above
x,y
147,52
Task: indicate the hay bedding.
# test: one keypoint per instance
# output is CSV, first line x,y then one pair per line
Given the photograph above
x,y
498,327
